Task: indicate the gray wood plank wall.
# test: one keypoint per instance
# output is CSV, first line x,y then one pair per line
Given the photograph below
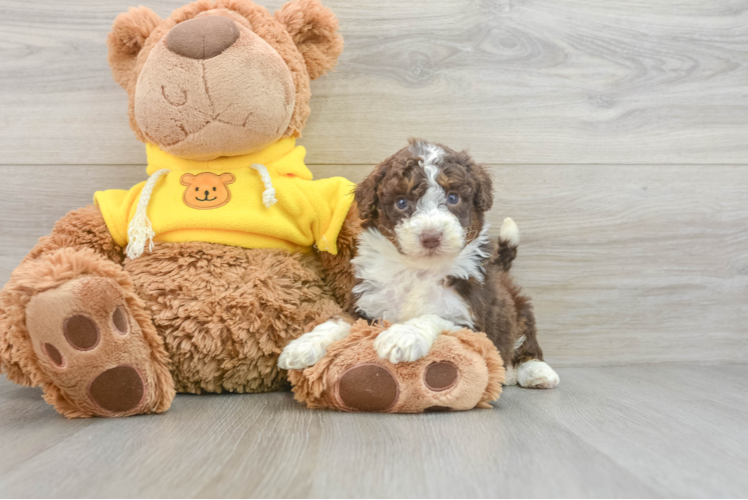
x,y
617,133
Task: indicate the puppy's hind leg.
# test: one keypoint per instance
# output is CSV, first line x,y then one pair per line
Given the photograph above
x,y
531,371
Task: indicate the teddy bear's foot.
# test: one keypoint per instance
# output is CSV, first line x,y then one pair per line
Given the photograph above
x,y
95,353
463,370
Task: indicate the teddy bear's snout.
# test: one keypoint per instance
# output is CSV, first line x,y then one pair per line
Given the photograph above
x,y
202,37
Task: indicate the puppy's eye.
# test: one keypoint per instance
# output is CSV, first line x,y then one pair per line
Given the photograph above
x,y
453,198
401,203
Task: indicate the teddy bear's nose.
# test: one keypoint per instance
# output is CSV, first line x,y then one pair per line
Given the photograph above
x,y
202,37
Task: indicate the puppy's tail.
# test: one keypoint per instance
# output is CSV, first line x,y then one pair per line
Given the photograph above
x,y
508,243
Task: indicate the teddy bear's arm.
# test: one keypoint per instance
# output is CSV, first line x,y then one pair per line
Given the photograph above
x,y
338,271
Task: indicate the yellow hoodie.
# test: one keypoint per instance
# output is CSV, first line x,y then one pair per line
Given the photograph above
x,y
262,200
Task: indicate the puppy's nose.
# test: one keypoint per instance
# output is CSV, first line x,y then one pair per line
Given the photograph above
x,y
431,239
202,37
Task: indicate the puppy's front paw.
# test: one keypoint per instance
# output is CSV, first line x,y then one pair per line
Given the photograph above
x,y
402,343
302,353
537,374
311,347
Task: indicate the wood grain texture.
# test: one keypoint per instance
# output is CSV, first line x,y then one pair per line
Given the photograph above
x,y
645,431
517,81
625,264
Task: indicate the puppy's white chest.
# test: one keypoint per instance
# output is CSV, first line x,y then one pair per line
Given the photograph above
x,y
398,288
410,295
428,296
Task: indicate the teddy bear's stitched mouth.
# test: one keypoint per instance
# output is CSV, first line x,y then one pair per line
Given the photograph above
x,y
206,198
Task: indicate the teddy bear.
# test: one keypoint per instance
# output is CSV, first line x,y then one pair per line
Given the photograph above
x,y
196,278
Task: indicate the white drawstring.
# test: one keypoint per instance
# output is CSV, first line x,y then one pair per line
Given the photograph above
x,y
268,196
139,231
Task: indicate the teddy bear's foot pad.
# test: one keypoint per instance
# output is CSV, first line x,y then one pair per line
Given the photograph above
x,y
368,387
92,349
462,371
373,388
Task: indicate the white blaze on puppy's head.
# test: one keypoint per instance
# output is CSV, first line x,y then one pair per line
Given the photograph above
x,y
432,229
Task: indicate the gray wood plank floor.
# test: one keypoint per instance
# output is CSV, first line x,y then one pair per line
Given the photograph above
x,y
637,431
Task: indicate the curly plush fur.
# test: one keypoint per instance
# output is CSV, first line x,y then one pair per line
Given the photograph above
x,y
226,313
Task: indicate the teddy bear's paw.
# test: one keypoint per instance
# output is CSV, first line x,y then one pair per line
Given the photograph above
x,y
535,374
311,347
461,370
91,347
402,342
373,387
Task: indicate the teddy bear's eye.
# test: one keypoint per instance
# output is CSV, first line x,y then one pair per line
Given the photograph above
x,y
197,189
214,189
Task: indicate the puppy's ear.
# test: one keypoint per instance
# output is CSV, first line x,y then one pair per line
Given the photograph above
x,y
314,30
367,193
483,187
129,32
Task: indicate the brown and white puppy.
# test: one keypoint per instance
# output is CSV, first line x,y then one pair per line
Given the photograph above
x,y
425,263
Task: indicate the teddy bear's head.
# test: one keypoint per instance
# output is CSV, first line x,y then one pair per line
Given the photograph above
x,y
224,77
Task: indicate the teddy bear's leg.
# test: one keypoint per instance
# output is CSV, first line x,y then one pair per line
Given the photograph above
x,y
72,324
463,370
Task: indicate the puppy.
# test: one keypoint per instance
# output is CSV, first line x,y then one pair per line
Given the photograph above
x,y
425,262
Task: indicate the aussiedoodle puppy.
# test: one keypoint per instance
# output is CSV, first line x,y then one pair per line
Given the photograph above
x,y
425,262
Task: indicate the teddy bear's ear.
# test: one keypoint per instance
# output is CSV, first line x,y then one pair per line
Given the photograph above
x,y
129,32
313,28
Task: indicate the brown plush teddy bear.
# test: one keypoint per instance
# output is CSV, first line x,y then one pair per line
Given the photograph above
x,y
195,280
